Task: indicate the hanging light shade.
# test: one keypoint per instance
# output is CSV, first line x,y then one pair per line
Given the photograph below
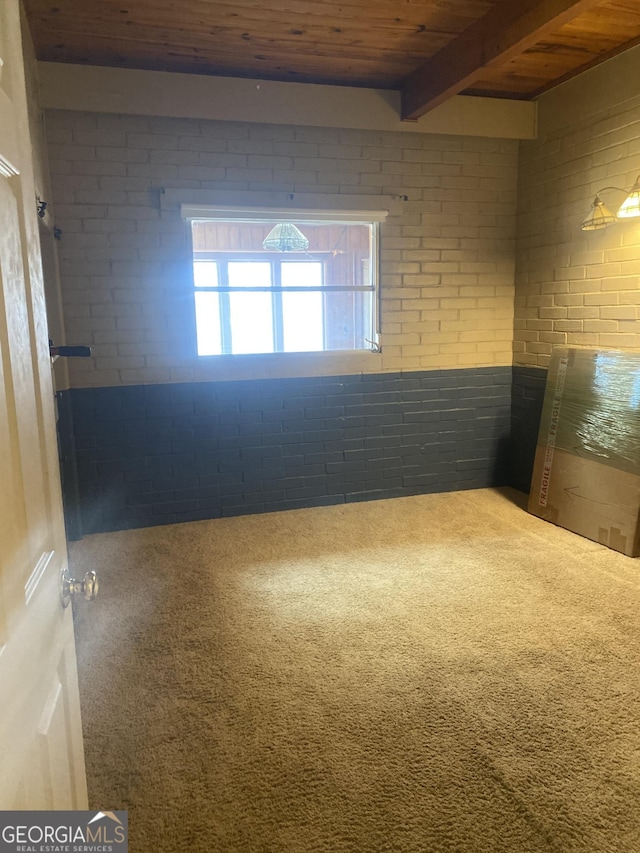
x,y
285,237
630,207
599,217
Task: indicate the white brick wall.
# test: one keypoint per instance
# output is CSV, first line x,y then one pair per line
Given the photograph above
x,y
447,264
574,287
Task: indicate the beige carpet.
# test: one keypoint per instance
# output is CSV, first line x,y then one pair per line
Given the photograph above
x,y
437,673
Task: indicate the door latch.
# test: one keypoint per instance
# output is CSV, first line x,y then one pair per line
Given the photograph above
x,y
69,352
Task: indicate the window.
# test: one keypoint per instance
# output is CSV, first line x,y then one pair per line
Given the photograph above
x,y
284,285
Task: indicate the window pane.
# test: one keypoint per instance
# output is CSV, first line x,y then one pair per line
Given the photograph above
x,y
348,320
310,300
300,274
303,322
205,273
208,323
249,274
366,272
251,319
344,261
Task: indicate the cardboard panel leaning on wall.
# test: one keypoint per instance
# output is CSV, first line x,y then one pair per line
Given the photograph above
x,y
446,263
586,475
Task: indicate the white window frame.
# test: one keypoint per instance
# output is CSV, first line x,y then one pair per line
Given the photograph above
x,y
372,218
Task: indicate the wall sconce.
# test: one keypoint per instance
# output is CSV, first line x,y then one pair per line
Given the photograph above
x,y
601,217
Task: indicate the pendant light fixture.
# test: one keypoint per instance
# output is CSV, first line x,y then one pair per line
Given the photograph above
x,y
285,237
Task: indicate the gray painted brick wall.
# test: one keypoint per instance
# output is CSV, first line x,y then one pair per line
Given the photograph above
x,y
159,454
527,398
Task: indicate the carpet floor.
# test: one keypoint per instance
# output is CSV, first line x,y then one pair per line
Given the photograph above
x,y
440,673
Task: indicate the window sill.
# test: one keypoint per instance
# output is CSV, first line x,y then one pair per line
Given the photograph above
x,y
286,365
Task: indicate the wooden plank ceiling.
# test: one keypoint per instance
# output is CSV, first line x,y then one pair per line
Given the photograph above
x,y
427,49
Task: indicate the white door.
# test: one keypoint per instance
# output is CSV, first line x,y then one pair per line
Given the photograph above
x,y
41,755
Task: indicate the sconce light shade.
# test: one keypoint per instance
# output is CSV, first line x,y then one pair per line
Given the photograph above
x,y
285,237
630,207
599,217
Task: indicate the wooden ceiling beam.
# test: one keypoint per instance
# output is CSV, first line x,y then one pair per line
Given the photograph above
x,y
508,29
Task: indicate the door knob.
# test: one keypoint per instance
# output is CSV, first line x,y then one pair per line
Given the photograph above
x,y
87,587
